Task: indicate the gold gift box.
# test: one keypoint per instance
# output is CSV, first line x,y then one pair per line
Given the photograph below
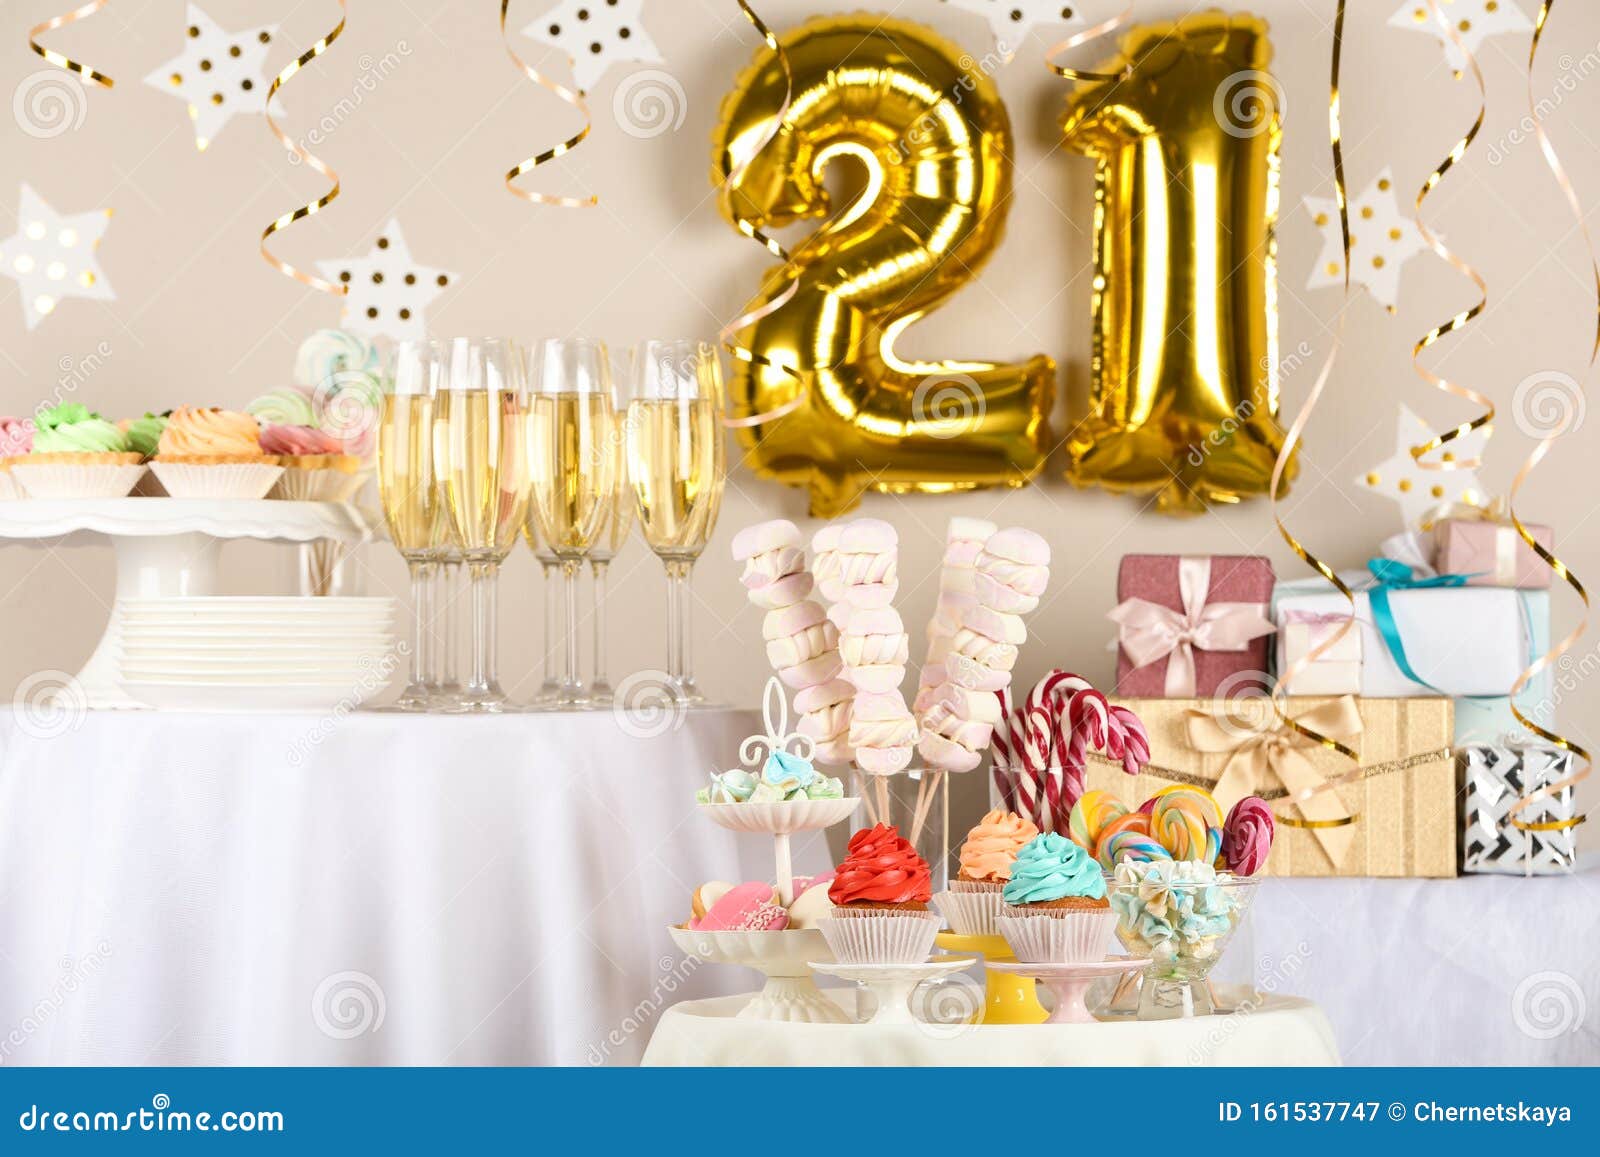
x,y
1403,805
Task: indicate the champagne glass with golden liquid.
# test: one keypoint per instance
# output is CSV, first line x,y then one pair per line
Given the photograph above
x,y
573,455
606,548
677,468
480,452
409,494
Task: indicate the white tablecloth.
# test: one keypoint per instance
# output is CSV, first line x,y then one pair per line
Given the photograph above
x,y
190,889
1282,1031
1481,970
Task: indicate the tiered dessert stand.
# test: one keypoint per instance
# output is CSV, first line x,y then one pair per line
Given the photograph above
x,y
168,547
790,992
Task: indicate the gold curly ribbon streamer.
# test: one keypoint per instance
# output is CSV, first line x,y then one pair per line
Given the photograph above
x,y
312,162
1079,38
57,58
1484,420
734,172
576,100
1539,451
1297,429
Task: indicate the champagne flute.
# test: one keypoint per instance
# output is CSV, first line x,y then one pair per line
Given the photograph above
x,y
573,456
677,468
446,684
479,446
410,497
606,548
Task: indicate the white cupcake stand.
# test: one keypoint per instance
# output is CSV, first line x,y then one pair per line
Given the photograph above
x,y
168,548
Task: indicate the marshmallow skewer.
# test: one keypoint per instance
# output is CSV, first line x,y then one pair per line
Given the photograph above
x,y
971,659
802,644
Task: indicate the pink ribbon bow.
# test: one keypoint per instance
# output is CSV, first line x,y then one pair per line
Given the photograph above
x,y
1150,632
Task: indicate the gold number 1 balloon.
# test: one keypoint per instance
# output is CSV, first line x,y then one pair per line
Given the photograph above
x,y
931,144
1184,397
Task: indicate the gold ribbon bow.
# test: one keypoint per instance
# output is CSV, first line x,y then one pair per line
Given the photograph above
x,y
1262,752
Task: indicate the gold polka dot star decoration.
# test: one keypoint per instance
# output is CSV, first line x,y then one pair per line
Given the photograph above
x,y
51,256
387,293
218,75
1382,239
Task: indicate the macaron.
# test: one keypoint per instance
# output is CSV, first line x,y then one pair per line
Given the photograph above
x,y
765,536
744,908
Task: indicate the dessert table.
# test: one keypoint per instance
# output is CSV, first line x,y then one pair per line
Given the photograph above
x,y
355,889
1282,1031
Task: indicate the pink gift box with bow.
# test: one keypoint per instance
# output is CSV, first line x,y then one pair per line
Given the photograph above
x,y
1192,626
1491,553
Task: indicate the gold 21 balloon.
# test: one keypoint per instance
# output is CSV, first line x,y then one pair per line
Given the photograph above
x,y
1184,397
932,143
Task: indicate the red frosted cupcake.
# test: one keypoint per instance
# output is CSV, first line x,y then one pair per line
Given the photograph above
x,y
880,898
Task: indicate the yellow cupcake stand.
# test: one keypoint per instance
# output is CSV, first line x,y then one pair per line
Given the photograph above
x,y
1007,999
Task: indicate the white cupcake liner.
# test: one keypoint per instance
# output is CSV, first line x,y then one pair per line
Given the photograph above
x,y
880,936
971,908
1058,936
219,480
297,485
63,480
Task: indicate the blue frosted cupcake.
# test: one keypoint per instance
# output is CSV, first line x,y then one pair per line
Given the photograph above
x,y
1056,911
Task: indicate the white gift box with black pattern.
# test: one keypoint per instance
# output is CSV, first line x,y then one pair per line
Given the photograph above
x,y
1497,778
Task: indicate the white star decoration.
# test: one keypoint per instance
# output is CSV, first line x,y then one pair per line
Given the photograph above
x,y
388,292
1418,491
1012,20
596,34
51,257
1475,21
1382,239
218,74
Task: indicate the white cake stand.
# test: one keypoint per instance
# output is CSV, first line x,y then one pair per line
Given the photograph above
x,y
1069,983
168,547
781,820
892,984
789,994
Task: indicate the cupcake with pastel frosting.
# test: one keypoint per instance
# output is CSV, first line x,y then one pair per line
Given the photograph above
x,y
16,439
974,900
315,465
144,434
1056,911
341,374
75,453
880,901
211,453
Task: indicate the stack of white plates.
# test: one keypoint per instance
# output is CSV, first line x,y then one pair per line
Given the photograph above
x,y
257,654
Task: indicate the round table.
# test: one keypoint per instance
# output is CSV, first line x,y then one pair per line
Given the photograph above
x,y
1279,1031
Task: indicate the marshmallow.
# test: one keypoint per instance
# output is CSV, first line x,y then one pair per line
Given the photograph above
x,y
1018,545
867,535
822,696
978,706
969,530
784,592
984,650
972,675
812,672
1002,628
764,537
1024,578
947,754
995,595
802,646
786,621
883,760
771,565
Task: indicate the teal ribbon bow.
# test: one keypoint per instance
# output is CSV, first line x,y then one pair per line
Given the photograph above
x,y
1397,576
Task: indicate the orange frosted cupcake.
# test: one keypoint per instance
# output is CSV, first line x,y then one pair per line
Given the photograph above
x,y
210,453
974,899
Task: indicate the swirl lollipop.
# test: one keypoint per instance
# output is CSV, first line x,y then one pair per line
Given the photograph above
x,y
1247,836
1090,815
1127,845
1183,818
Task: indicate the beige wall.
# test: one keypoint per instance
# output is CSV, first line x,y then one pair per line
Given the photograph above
x,y
199,318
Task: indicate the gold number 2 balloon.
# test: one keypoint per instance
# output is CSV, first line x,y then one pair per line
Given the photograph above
x,y
931,143
1184,396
